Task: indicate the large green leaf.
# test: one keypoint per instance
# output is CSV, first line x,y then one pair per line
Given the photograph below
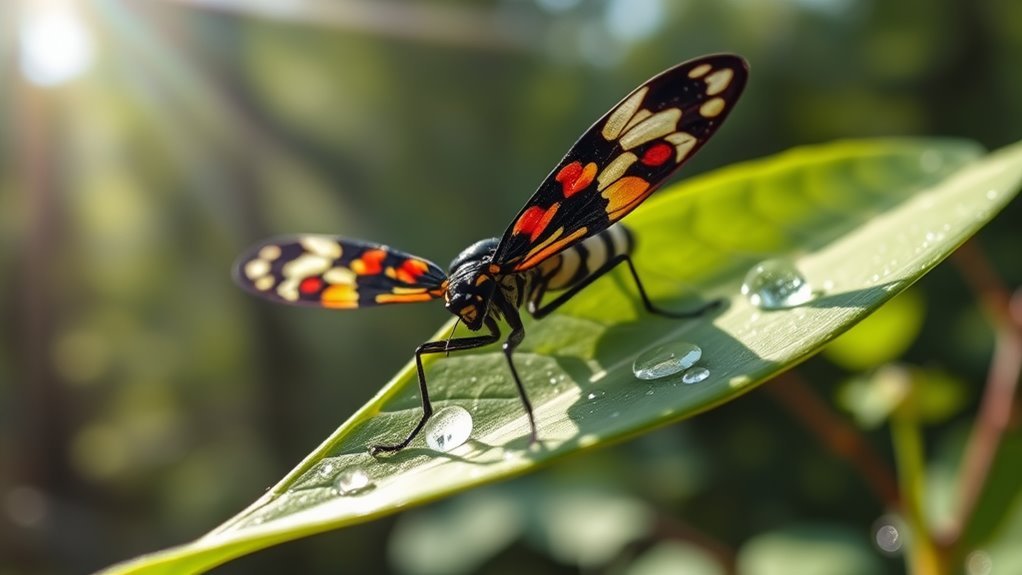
x,y
862,220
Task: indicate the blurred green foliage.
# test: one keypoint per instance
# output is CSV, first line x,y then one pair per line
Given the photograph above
x,y
144,399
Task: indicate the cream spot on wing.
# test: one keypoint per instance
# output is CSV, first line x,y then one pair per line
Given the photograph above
x,y
638,117
718,81
304,266
269,253
294,271
699,70
615,169
288,290
683,143
339,276
264,283
712,107
257,268
656,126
622,114
321,246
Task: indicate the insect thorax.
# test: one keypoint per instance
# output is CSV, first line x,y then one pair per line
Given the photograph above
x,y
473,287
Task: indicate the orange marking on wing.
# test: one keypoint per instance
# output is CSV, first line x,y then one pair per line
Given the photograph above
x,y
402,298
404,290
625,194
371,263
410,271
574,178
538,255
340,296
534,220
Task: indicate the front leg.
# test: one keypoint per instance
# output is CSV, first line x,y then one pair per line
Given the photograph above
x,y
437,347
513,339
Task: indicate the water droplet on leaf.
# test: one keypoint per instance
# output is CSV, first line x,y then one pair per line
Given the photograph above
x,y
776,284
695,375
667,359
448,428
352,481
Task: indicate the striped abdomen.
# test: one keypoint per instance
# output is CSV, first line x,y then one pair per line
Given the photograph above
x,y
581,260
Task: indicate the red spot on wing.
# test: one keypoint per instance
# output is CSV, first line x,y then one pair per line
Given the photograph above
x,y
534,220
657,154
410,271
574,178
371,262
310,286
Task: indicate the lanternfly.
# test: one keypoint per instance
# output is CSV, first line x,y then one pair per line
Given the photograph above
x,y
563,239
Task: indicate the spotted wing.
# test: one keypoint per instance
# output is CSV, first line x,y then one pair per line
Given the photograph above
x,y
623,158
333,272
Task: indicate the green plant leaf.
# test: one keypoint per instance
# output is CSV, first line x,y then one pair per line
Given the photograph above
x,y
862,220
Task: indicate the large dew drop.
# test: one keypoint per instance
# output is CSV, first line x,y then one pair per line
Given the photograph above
x,y
664,360
776,284
352,481
448,428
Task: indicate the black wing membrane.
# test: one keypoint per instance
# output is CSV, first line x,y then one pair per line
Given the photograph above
x,y
623,158
334,272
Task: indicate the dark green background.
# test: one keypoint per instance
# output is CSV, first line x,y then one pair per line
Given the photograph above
x,y
144,399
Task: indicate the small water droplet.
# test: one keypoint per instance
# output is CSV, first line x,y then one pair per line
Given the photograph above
x,y
667,359
695,375
594,395
352,481
553,381
776,284
448,428
473,379
326,470
888,538
992,194
615,414
979,563
649,391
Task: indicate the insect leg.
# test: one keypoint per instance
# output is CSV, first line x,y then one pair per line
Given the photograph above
x,y
513,339
539,311
436,347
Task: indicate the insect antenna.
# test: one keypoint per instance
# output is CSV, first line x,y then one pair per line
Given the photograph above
x,y
447,351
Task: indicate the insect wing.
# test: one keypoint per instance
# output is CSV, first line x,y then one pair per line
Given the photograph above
x,y
623,158
333,272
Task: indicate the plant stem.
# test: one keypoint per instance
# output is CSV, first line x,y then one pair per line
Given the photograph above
x,y
922,555
1002,381
836,434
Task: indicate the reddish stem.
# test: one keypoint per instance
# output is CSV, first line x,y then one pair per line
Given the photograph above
x,y
835,433
1002,380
